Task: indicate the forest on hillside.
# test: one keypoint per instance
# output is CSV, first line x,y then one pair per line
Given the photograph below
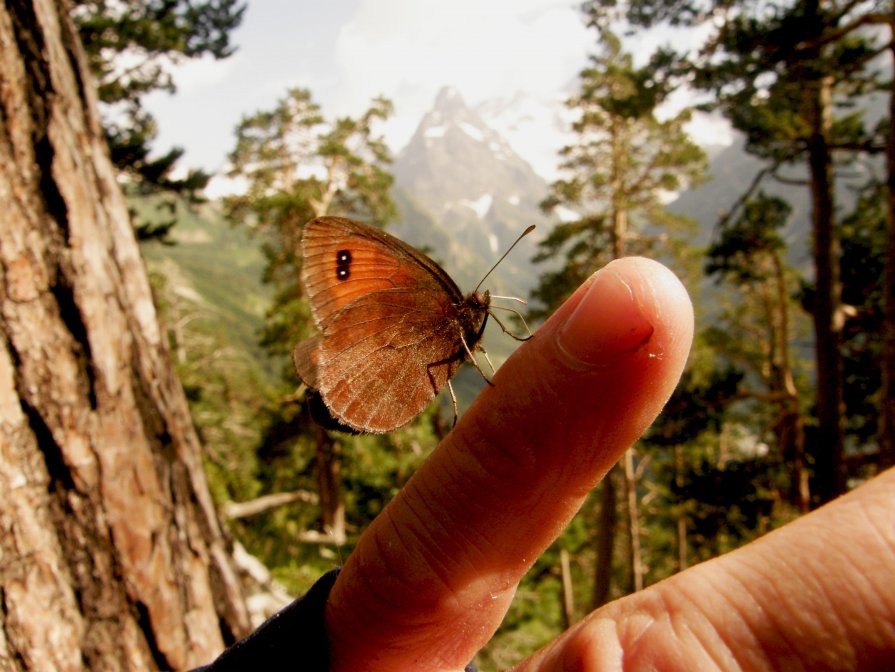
x,y
192,413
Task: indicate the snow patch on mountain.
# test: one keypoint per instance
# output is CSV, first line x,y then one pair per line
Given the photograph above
x,y
479,206
468,195
435,132
473,132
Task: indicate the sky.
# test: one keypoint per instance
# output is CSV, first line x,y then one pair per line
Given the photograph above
x,y
349,51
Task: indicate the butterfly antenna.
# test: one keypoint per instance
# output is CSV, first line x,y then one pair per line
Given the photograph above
x,y
521,236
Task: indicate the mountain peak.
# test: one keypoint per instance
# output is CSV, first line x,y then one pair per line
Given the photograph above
x,y
449,99
463,175
451,116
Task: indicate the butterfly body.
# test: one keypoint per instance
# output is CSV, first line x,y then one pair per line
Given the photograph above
x,y
394,327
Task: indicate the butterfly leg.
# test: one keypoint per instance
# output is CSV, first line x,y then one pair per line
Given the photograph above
x,y
488,359
507,331
454,402
473,361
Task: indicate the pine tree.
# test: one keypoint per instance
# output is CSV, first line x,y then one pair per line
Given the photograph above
x,y
131,46
787,75
298,166
748,255
624,161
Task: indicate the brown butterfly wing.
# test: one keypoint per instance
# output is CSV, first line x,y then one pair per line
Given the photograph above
x,y
305,357
387,314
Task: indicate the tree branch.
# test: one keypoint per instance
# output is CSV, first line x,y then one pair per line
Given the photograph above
x,y
252,507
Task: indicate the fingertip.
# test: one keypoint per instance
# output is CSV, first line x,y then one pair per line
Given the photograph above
x,y
654,294
607,322
593,378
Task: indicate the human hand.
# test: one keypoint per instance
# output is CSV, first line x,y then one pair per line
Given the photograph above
x,y
432,577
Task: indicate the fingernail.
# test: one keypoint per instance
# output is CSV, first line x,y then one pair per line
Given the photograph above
x,y
606,323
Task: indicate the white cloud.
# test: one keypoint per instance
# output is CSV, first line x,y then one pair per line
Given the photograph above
x,y
525,52
194,74
408,49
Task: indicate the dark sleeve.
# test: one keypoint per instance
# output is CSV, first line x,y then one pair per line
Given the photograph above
x,y
294,638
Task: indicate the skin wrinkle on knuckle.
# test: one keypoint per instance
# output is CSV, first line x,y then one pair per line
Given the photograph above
x,y
506,494
747,617
665,625
767,630
379,604
498,450
473,537
400,590
670,620
476,475
747,639
473,572
498,502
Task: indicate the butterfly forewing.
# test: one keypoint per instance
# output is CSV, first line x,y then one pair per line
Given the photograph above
x,y
345,261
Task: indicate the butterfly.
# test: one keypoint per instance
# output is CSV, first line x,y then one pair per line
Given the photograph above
x,y
393,326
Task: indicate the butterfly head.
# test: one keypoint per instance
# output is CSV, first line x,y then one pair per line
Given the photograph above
x,y
482,299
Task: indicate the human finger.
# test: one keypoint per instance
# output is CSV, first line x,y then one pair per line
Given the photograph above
x,y
431,579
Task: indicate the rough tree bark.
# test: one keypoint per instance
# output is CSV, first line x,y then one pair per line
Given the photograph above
x,y
111,553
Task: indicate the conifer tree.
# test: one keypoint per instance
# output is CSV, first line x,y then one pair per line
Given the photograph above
x,y
621,165
130,47
748,255
297,166
624,160
787,75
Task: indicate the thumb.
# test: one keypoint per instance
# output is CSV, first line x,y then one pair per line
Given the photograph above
x,y
815,594
432,577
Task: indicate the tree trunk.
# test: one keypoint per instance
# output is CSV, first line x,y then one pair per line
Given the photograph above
x,y
682,544
887,420
568,592
827,314
606,527
111,553
791,425
328,468
620,148
634,555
